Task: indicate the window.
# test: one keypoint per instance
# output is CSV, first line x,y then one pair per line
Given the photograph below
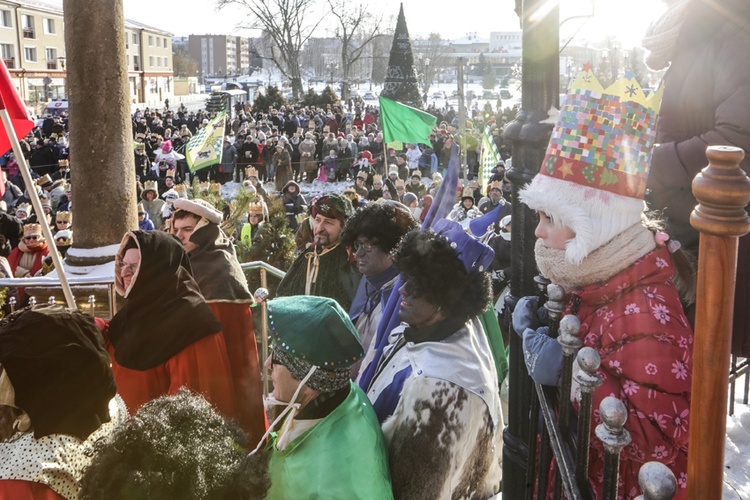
x,y
49,26
165,43
5,19
8,53
29,54
151,61
150,41
27,22
136,63
51,54
135,39
158,41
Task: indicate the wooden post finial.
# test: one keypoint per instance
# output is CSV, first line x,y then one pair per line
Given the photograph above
x,y
723,191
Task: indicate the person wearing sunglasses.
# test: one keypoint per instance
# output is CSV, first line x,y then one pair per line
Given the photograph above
x,y
372,233
26,259
436,376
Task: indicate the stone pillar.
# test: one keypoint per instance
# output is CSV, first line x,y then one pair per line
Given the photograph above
x,y
529,137
101,140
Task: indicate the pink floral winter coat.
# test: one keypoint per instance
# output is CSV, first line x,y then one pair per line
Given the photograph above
x,y
636,323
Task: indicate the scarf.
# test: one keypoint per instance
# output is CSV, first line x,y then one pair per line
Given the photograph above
x,y
661,36
313,266
601,264
163,310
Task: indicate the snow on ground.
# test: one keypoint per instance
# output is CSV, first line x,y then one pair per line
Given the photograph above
x,y
737,451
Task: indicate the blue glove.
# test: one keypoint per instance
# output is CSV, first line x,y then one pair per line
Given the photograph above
x,y
528,314
543,356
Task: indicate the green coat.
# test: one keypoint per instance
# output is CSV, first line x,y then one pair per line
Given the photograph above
x,y
343,457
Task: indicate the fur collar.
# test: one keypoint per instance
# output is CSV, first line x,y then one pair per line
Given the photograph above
x,y
601,264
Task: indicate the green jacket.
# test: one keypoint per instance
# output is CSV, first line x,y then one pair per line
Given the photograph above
x,y
342,457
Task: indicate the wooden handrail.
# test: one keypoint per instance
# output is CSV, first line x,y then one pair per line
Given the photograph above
x,y
723,191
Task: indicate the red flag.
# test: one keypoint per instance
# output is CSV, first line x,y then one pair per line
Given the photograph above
x,y
10,100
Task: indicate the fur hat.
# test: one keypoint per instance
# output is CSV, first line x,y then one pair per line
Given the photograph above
x,y
593,177
334,206
199,207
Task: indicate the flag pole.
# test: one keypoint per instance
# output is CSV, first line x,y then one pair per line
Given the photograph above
x,y
37,204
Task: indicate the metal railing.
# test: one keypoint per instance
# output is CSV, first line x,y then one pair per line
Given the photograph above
x,y
260,296
51,282
556,439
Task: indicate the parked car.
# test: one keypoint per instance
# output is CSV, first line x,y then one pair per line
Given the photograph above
x,y
505,94
489,94
369,95
438,95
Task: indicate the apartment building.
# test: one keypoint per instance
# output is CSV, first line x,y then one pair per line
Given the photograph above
x,y
32,45
150,70
221,56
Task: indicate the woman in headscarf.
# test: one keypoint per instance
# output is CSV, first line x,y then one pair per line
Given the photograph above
x,y
164,336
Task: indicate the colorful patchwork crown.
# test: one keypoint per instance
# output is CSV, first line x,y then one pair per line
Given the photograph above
x,y
603,137
251,172
593,177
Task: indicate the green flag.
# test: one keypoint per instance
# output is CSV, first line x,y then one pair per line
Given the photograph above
x,y
404,123
206,146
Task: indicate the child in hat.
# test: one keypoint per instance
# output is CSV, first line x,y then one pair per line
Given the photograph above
x,y
619,273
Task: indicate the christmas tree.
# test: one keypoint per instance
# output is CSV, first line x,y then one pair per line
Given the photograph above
x,y
273,244
401,79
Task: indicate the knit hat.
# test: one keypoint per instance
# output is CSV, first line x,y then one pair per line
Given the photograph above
x,y
593,177
64,237
393,169
311,331
416,173
409,198
198,207
334,206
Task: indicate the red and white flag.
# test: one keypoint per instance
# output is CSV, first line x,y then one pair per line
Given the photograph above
x,y
12,102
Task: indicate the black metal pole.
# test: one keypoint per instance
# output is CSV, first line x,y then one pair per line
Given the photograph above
x,y
529,138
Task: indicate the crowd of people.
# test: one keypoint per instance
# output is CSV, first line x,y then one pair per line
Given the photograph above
x,y
386,333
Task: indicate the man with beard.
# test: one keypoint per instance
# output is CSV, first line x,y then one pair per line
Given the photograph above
x,y
326,269
224,287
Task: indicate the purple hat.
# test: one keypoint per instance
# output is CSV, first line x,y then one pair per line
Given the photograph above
x,y
475,256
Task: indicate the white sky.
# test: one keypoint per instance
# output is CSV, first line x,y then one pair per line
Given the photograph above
x,y
452,19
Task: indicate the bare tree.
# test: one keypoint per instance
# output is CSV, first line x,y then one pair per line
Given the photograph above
x,y
356,29
433,55
288,24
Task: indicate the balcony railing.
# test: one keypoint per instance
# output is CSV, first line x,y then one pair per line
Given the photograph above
x,y
29,33
10,62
